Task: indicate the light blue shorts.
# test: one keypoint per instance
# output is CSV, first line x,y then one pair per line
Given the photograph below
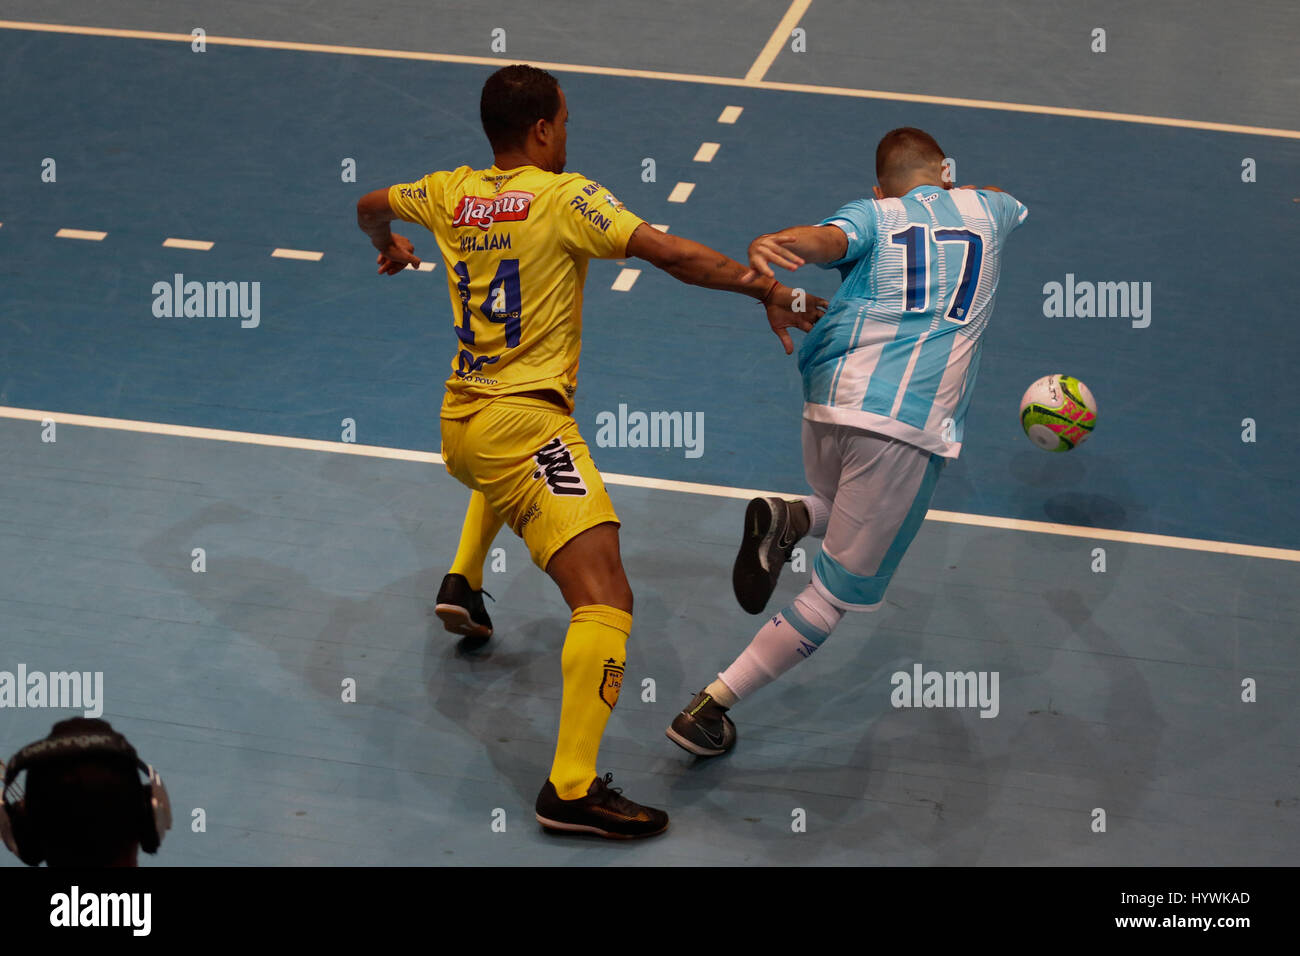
x,y
879,490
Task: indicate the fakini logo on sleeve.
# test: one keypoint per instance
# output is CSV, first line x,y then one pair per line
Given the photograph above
x,y
485,212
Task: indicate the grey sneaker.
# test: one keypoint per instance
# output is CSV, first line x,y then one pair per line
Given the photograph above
x,y
703,727
769,540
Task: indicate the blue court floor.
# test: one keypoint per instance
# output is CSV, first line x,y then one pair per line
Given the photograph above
x,y
1120,690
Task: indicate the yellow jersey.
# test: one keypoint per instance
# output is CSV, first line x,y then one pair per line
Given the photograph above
x,y
516,244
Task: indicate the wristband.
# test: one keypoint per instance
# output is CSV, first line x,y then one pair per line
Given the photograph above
x,y
775,283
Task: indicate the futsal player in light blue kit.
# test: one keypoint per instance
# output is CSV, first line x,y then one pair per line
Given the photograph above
x,y
887,378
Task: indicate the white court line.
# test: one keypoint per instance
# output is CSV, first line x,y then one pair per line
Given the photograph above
x,y
652,226
424,267
653,75
626,279
636,481
681,192
297,254
201,244
219,434
706,152
91,234
777,40
731,114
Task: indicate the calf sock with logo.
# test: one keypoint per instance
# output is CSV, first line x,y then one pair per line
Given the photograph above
x,y
595,652
786,639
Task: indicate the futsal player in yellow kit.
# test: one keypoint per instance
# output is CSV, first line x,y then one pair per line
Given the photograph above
x,y
516,239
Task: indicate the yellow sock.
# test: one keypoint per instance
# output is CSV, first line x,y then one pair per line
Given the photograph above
x,y
594,654
476,535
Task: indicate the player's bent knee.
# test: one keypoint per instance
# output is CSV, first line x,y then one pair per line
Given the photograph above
x,y
589,570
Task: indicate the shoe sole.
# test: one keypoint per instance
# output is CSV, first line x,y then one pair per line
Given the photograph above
x,y
457,620
571,829
751,584
691,747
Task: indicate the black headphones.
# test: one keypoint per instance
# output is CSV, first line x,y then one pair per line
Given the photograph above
x,y
155,815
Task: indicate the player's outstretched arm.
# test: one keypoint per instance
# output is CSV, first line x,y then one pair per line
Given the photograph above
x,y
696,264
373,216
794,247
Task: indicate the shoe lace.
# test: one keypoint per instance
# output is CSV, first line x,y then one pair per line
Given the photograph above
x,y
619,802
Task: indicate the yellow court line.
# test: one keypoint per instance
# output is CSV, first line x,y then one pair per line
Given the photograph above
x,y
777,40
663,75
637,481
93,235
305,255
202,245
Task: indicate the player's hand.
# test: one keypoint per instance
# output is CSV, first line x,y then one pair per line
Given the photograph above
x,y
768,249
397,256
792,309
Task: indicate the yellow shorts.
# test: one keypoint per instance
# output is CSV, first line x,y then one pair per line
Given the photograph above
x,y
528,460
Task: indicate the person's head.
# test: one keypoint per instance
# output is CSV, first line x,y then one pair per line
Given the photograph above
x,y
524,115
907,157
83,802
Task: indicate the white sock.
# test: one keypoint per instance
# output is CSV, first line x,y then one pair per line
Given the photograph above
x,y
819,512
786,639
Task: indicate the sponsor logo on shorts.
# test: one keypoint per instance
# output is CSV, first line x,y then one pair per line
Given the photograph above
x,y
555,462
611,682
534,511
484,212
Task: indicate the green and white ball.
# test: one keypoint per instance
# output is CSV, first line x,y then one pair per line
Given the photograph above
x,y
1058,412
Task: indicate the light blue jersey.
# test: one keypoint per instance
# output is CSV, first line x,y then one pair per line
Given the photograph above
x,y
898,349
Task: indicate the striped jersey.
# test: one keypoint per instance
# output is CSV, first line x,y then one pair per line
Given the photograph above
x,y
898,349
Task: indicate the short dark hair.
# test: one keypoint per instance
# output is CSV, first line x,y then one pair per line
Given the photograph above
x,y
87,809
514,98
906,150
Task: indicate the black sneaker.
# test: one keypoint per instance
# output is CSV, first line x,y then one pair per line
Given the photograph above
x,y
703,727
461,610
604,811
768,543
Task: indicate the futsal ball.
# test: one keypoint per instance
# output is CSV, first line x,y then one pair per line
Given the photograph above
x,y
1058,412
